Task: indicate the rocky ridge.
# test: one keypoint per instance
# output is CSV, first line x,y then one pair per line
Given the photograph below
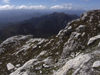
x,y
74,51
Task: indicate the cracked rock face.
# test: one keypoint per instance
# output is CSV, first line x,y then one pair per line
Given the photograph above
x,y
74,51
75,63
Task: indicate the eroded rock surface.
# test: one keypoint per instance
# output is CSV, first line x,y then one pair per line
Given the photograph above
x,y
74,51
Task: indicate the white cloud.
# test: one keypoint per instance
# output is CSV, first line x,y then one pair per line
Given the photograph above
x,y
10,7
6,1
31,7
36,7
63,6
57,7
6,7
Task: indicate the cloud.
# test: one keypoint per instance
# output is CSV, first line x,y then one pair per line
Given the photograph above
x,y
10,7
6,1
31,7
35,7
63,6
6,7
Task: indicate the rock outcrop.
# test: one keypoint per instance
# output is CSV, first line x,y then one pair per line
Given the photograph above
x,y
74,51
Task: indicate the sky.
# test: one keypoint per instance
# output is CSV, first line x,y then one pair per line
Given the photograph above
x,y
50,4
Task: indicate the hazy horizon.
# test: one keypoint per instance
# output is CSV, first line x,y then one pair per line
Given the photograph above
x,y
12,11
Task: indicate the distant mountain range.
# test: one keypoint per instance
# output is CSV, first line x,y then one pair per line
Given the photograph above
x,y
8,17
14,16
42,26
